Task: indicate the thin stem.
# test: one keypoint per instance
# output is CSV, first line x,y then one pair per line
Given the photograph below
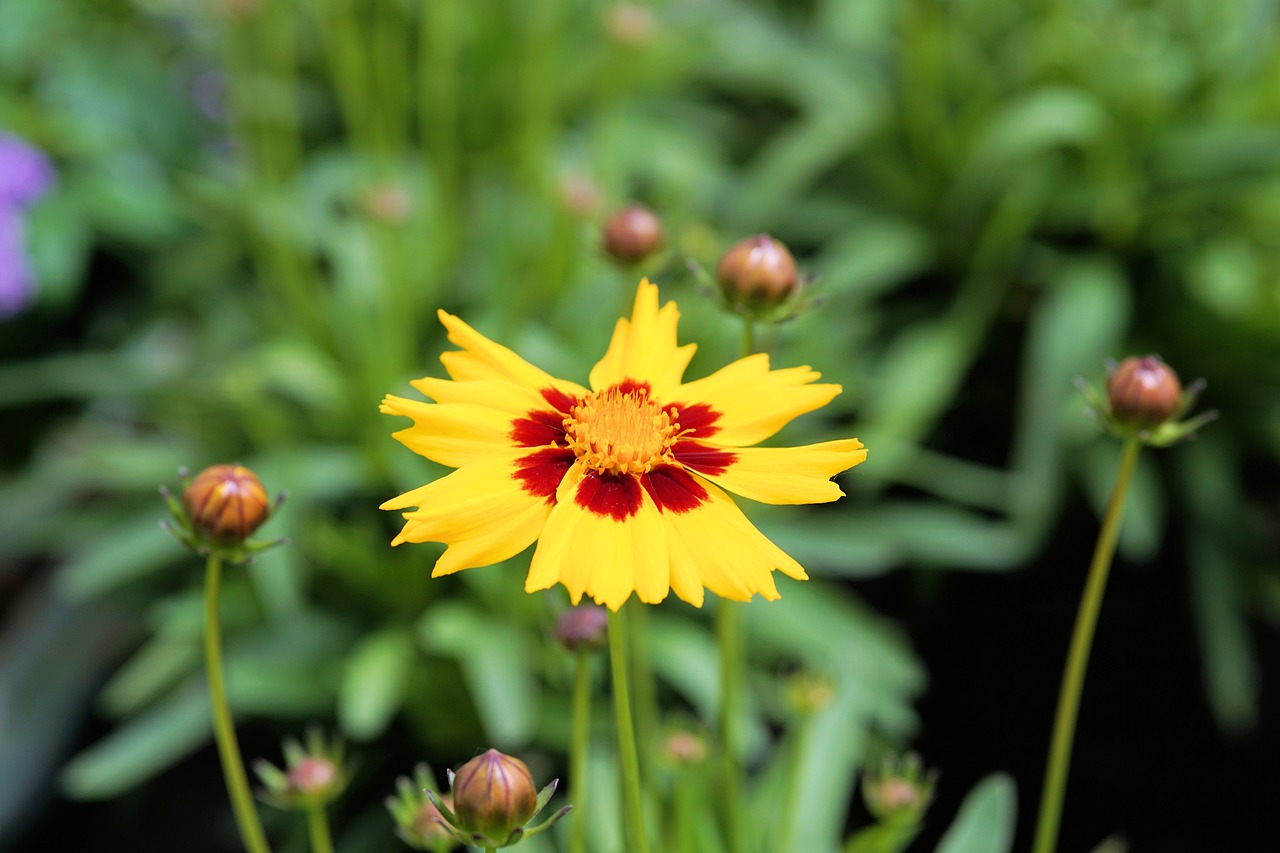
x,y
627,756
224,732
646,690
791,802
1055,779
748,336
578,751
318,829
729,636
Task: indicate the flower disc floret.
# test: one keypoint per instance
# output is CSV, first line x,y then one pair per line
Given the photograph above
x,y
620,432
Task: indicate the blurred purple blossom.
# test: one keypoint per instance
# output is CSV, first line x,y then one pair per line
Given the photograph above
x,y
25,172
25,176
15,273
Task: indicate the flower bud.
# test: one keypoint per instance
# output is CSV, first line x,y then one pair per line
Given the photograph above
x,y
808,693
632,234
494,794
418,822
684,748
629,24
1143,392
757,269
583,628
389,203
313,775
226,502
900,790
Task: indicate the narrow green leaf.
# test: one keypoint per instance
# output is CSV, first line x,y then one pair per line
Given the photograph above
x,y
372,686
986,819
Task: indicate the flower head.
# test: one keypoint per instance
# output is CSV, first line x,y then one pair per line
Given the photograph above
x,y
219,508
1145,400
582,628
632,234
623,484
493,801
313,775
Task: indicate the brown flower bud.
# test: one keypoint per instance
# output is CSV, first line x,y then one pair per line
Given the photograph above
x,y
583,628
632,234
1143,392
226,502
494,794
757,271
683,747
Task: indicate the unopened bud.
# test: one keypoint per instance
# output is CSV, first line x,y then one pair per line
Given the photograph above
x,y
900,790
583,628
1143,392
494,794
807,693
632,234
758,272
389,203
685,748
226,502
312,775
630,24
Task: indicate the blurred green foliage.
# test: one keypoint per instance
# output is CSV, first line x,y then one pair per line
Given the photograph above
x,y
261,205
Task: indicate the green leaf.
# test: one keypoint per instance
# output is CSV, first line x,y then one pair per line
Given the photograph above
x,y
140,748
496,660
373,681
986,819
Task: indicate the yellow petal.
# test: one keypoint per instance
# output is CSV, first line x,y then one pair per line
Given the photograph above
x,y
481,358
452,434
644,348
753,401
790,475
494,393
479,511
599,555
728,554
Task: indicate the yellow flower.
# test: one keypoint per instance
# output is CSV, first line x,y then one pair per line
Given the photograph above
x,y
622,484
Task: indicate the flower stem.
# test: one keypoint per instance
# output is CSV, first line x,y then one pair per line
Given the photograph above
x,y
627,756
318,829
729,635
1055,779
578,752
251,834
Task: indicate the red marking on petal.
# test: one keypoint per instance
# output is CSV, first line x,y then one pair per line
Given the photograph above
x,y
703,459
615,495
673,489
540,472
695,419
631,386
559,400
538,428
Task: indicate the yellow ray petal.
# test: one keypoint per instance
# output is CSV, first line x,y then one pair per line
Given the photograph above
x,y
644,347
601,556
479,511
732,558
481,358
754,402
790,475
452,434
494,393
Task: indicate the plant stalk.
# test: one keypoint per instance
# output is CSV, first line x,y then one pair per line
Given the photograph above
x,y
1055,779
628,759
318,829
578,752
224,732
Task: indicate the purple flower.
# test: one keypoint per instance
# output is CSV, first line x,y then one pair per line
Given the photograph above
x,y
25,172
16,281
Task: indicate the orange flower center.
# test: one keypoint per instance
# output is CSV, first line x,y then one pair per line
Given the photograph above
x,y
620,432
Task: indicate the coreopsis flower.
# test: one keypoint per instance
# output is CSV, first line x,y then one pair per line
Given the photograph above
x,y
623,484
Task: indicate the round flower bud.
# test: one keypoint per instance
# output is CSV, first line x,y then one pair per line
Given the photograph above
x,y
494,794
425,828
683,747
583,628
757,271
632,234
312,776
226,502
1143,392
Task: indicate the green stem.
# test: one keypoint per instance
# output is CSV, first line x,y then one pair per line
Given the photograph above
x,y
224,732
791,801
729,635
627,757
578,787
748,337
646,690
318,828
1055,779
